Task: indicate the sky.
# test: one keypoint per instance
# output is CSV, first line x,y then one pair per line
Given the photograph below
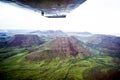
x,y
95,16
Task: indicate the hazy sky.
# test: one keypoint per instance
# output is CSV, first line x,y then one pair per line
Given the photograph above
x,y
97,16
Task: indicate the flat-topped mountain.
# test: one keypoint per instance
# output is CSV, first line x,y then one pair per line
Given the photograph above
x,y
21,40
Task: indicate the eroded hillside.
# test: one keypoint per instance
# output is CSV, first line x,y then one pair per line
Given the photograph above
x,y
62,47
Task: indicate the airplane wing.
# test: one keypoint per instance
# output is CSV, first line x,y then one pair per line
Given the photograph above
x,y
49,8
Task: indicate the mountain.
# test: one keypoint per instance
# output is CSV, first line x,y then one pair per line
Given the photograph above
x,y
61,47
10,32
24,40
3,37
49,33
82,34
105,43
